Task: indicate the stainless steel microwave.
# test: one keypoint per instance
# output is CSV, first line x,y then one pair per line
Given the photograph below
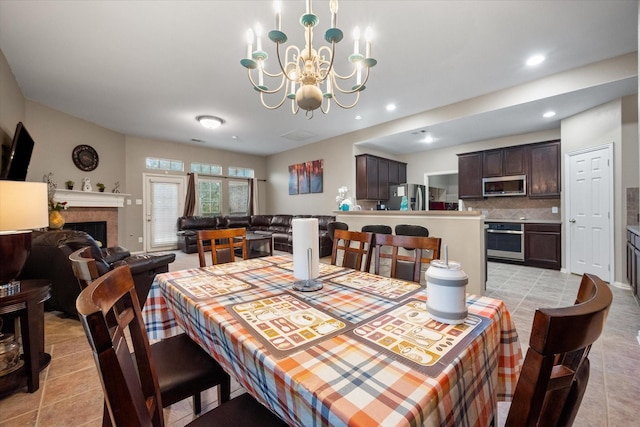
x,y
515,185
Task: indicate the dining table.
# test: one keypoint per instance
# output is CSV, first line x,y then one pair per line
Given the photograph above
x,y
361,351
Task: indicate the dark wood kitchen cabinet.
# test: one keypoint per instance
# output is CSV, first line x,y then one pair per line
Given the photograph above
x,y
374,175
543,178
470,175
542,245
504,162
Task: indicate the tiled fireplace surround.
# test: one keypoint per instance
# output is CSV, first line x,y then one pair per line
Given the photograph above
x,y
90,214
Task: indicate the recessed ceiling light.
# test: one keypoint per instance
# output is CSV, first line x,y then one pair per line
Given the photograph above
x,y
535,60
549,114
391,107
210,122
358,117
428,139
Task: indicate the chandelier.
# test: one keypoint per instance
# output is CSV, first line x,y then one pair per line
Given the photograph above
x,y
304,73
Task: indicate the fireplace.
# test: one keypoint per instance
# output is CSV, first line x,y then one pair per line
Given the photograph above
x,y
96,229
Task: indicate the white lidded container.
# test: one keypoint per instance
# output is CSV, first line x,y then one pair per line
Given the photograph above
x,y
446,291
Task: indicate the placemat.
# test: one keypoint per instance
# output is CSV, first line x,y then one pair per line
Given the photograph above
x,y
386,287
203,286
325,269
236,267
408,334
285,324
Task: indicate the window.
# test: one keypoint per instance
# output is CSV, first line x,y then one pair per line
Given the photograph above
x,y
240,172
210,196
164,164
238,198
206,169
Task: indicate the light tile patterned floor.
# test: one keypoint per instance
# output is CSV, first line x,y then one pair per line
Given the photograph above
x,y
70,392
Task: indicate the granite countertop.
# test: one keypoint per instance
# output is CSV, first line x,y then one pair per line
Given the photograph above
x,y
525,221
635,229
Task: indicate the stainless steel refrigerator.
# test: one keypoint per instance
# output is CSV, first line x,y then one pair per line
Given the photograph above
x,y
416,196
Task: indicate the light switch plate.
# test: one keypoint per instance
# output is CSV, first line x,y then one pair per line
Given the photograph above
x,y
554,209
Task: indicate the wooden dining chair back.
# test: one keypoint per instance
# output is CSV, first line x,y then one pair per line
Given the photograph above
x,y
177,368
222,244
84,266
555,372
355,248
406,265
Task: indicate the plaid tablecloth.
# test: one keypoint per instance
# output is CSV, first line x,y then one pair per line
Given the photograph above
x,y
340,381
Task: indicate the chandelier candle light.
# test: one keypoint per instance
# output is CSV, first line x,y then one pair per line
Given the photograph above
x,y
304,73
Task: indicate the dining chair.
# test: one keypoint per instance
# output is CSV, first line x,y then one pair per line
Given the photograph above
x,y
336,225
184,369
406,266
377,228
356,257
411,230
130,369
222,244
555,371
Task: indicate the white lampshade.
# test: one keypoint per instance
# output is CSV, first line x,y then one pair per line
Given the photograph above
x,y
23,205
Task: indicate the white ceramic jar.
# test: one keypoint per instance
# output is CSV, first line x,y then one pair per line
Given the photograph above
x,y
446,292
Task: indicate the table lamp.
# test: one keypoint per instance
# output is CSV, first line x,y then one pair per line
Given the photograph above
x,y
23,207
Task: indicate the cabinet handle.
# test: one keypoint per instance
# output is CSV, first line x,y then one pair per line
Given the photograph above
x,y
572,221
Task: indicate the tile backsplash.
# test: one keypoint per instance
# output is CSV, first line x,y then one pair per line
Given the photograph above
x,y
517,207
633,205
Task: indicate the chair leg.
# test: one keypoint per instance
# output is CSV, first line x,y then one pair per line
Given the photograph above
x,y
106,419
197,404
224,391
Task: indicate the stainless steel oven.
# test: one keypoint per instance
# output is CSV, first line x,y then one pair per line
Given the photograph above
x,y
505,240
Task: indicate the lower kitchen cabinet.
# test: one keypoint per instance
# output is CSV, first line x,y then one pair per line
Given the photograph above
x,y
542,246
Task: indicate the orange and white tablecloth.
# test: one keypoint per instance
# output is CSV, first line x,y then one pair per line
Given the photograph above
x,y
340,379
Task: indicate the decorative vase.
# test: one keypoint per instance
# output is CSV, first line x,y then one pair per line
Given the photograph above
x,y
56,220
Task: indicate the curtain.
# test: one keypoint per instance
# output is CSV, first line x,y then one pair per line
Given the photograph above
x,y
252,204
190,200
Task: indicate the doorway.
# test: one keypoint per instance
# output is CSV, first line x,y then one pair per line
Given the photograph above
x,y
163,204
442,190
589,210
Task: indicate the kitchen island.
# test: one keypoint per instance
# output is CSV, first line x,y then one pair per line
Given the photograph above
x,y
462,232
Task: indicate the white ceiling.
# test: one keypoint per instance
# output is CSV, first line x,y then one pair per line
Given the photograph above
x,y
148,68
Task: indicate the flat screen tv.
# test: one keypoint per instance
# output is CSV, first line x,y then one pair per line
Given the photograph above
x,y
14,168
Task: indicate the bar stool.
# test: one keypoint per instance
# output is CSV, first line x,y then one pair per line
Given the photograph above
x,y
336,225
411,230
377,229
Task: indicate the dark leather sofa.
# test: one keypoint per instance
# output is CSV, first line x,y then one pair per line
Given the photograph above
x,y
49,259
278,226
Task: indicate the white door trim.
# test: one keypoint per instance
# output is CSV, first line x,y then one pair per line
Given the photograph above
x,y
146,211
566,202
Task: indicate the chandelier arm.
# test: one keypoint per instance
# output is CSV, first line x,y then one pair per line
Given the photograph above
x,y
264,104
341,77
328,107
331,54
256,87
353,90
286,54
346,107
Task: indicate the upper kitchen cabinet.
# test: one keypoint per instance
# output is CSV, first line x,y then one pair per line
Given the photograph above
x,y
504,162
374,175
470,175
544,170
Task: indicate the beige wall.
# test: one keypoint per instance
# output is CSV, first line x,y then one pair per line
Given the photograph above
x,y
137,149
611,123
11,102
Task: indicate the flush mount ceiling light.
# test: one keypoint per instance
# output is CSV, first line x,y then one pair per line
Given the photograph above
x,y
302,71
210,122
535,60
549,114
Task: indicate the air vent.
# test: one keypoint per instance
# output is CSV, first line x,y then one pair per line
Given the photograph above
x,y
298,135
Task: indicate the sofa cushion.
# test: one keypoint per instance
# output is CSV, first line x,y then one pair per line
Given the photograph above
x,y
238,221
198,222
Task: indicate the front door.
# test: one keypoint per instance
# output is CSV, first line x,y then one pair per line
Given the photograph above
x,y
164,203
590,204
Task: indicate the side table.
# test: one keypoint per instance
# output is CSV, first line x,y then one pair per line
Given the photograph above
x,y
28,305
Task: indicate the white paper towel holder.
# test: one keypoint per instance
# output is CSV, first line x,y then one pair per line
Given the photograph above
x,y
308,285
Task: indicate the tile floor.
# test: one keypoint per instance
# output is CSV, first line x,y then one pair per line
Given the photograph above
x,y
70,392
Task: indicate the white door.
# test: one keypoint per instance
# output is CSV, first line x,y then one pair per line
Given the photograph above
x,y
164,203
590,205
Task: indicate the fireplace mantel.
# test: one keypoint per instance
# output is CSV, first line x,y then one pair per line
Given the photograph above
x,y
90,199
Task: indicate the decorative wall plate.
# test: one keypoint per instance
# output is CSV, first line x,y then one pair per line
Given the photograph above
x,y
85,157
